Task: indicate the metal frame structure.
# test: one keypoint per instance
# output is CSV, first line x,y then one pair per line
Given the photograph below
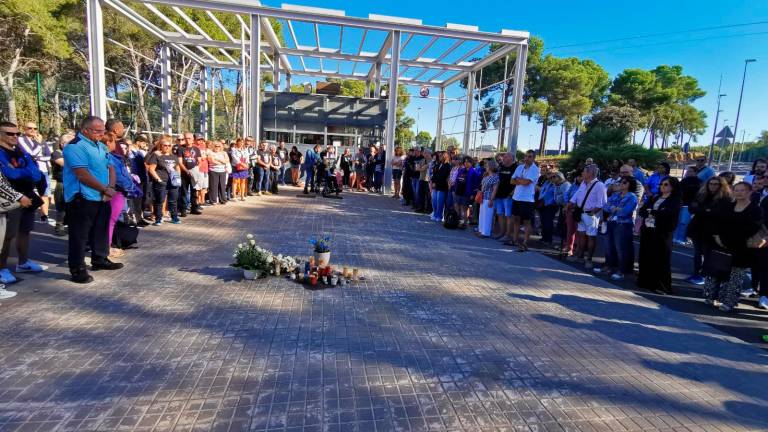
x,y
388,64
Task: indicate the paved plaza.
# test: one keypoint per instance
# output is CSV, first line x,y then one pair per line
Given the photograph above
x,y
448,332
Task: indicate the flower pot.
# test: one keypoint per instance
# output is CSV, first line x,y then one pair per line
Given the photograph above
x,y
323,257
250,274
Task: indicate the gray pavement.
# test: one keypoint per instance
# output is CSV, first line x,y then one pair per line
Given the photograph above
x,y
447,332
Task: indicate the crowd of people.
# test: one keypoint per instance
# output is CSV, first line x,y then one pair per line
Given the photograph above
x,y
104,182
723,219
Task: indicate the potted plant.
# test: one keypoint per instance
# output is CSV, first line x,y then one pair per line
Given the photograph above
x,y
255,261
322,246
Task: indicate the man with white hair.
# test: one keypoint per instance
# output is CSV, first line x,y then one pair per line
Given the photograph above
x,y
40,153
588,202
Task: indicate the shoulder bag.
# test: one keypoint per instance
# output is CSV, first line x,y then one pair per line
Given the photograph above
x,y
578,211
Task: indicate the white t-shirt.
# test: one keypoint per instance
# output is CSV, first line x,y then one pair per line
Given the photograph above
x,y
526,193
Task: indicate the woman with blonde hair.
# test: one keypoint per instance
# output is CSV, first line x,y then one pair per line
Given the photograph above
x,y
165,174
239,156
218,160
714,194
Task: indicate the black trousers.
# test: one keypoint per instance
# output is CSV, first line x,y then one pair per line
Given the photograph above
x,y
274,177
187,191
218,187
88,226
761,258
159,192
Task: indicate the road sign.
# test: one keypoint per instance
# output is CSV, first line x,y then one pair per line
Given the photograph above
x,y
424,91
725,133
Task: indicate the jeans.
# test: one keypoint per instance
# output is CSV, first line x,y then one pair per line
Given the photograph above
x,y
620,249
261,180
282,175
438,204
274,179
547,214
682,225
378,179
416,196
187,193
309,182
159,192
88,225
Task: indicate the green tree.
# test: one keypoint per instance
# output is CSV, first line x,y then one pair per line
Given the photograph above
x,y
604,145
32,34
564,89
423,139
615,117
447,141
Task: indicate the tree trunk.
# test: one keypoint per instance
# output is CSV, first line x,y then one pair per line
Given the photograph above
x,y
226,106
543,142
141,109
566,140
56,113
10,101
653,138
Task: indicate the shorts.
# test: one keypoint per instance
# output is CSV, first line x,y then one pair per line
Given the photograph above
x,y
397,174
503,206
588,224
462,200
523,210
201,179
20,220
47,191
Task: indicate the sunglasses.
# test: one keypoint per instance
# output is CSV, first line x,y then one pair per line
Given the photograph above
x,y
33,128
701,160
16,134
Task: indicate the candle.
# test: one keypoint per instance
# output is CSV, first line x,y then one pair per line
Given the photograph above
x,y
345,271
313,279
354,274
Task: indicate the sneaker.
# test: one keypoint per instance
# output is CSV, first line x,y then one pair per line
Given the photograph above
x,y
175,221
724,308
709,302
6,277
183,214
695,280
588,264
5,294
617,277
106,265
30,267
158,223
750,292
763,303
43,218
196,212
597,270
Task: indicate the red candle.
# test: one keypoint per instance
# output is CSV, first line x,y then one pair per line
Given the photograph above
x,y
313,279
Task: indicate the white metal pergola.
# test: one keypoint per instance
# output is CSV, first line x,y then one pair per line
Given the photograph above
x,y
463,52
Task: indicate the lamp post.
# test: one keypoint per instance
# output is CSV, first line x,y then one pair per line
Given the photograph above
x,y
738,110
717,116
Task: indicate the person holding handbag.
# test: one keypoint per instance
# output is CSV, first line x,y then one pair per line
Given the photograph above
x,y
660,214
164,171
735,224
714,193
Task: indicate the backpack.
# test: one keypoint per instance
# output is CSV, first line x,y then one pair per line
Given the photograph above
x,y
124,235
451,219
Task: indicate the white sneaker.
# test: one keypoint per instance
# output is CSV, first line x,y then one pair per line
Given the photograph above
x,y
749,292
617,276
597,270
6,277
763,303
30,267
725,308
5,294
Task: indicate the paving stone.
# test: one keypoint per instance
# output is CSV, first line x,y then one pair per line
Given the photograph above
x,y
447,332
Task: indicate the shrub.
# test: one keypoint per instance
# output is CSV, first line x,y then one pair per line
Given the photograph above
x,y
606,145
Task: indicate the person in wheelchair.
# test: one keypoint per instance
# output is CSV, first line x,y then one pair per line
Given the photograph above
x,y
329,167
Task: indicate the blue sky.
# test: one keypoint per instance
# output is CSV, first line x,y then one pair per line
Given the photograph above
x,y
705,55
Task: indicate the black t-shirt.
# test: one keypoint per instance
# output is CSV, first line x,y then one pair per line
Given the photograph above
x,y
165,164
505,181
689,187
295,157
189,156
461,181
57,171
283,154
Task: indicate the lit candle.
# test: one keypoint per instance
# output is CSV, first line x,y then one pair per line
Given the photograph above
x,y
354,274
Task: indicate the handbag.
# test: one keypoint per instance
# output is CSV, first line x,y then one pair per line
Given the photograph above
x,y
174,178
759,239
577,212
717,264
479,197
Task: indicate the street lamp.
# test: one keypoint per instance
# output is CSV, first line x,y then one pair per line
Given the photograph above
x,y
738,110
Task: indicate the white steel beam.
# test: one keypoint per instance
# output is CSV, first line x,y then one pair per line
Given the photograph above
x,y
295,42
203,88
166,20
136,18
274,43
324,16
98,82
255,73
468,113
360,49
221,26
244,79
496,55
380,57
519,83
439,130
392,111
165,92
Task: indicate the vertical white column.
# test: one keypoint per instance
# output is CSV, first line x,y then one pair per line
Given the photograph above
x,y
255,74
377,82
244,75
98,97
203,88
165,90
212,133
514,121
287,82
468,114
391,109
440,108
276,73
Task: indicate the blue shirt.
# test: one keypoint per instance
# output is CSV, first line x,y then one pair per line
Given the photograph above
x,y
20,169
84,153
706,173
572,189
547,193
626,206
311,158
639,176
654,181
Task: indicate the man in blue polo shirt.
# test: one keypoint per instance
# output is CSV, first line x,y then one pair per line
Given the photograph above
x,y
88,186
